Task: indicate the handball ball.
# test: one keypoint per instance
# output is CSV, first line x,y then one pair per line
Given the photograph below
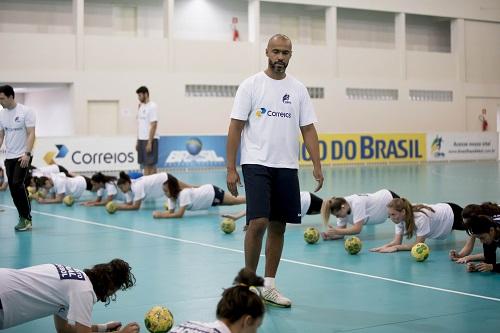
x,y
193,146
420,251
227,225
68,200
158,319
111,207
353,245
311,235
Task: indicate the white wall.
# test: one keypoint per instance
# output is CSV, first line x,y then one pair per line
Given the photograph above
x,y
114,64
210,19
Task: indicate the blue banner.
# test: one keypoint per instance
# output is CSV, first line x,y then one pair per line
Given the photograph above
x,y
192,151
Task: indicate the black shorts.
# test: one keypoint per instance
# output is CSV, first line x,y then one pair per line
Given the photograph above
x,y
144,158
219,196
272,193
315,206
394,195
458,222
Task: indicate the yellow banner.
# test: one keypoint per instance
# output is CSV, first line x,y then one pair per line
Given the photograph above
x,y
368,148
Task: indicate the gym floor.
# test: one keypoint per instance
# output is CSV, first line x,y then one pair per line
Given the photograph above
x,y
184,264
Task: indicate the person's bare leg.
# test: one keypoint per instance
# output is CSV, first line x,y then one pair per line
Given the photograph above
x,y
253,242
274,247
229,200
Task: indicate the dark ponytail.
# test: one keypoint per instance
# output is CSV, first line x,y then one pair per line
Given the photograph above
x,y
124,178
108,278
103,179
480,224
242,299
173,186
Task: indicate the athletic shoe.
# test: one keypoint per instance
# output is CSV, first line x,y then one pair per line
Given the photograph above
x,y
273,297
23,225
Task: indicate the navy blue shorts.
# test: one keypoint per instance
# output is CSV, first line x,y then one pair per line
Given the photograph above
x,y
218,197
272,193
144,158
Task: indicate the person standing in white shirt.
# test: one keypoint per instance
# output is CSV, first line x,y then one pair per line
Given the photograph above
x,y
240,310
270,110
425,221
67,293
147,139
187,197
357,210
17,129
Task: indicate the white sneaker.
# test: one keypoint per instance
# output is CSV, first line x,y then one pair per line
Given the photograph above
x,y
273,296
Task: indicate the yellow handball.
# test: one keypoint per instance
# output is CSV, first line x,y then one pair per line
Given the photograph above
x,y
353,245
159,319
311,235
31,189
227,225
69,200
111,207
420,251
165,205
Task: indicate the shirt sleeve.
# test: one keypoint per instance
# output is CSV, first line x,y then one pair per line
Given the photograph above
x,y
171,203
100,193
80,308
307,115
153,113
242,105
184,198
110,189
60,185
423,225
30,118
399,228
138,190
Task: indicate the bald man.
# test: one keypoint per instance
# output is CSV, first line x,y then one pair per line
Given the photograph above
x,y
270,109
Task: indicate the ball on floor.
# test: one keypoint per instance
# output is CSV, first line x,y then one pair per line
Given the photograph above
x,y
227,225
158,319
420,251
353,245
311,235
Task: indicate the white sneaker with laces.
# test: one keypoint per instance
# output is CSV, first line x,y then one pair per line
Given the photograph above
x,y
273,296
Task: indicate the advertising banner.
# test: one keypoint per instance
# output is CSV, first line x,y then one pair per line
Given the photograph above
x,y
87,153
368,148
462,146
191,151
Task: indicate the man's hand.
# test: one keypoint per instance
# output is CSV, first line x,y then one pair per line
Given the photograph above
x,y
24,160
233,181
318,176
149,147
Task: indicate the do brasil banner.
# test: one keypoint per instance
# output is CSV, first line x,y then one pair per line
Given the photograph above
x,y
368,148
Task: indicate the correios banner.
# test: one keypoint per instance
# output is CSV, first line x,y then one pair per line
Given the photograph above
x,y
462,146
368,148
87,153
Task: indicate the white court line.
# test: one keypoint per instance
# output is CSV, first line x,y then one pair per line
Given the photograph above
x,y
282,259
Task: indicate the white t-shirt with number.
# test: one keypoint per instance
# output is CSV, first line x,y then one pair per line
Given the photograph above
x,y
274,111
14,123
199,327
74,186
40,291
195,198
371,208
109,190
148,187
432,225
147,114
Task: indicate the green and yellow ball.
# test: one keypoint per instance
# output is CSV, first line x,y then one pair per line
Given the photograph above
x,y
227,225
311,235
111,207
420,251
68,200
158,319
353,245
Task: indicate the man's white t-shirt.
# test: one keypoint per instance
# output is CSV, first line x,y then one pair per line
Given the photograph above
x,y
274,111
109,190
195,198
199,327
432,225
74,186
40,291
149,186
371,208
14,123
147,114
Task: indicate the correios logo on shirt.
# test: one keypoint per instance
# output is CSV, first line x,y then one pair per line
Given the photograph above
x,y
260,112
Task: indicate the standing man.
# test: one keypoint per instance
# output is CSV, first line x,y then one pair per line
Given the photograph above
x,y
147,139
17,127
269,109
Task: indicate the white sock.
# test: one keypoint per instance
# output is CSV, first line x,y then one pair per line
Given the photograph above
x,y
269,282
